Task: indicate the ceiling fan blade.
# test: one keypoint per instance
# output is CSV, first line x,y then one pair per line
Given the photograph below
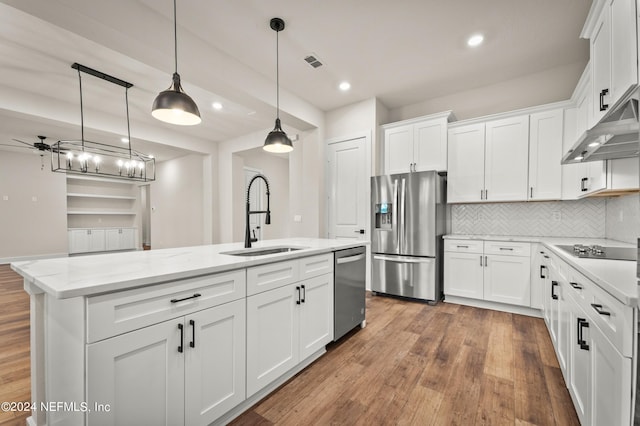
x,y
17,146
26,143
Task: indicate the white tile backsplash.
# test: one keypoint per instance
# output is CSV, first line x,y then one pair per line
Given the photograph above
x,y
623,218
579,218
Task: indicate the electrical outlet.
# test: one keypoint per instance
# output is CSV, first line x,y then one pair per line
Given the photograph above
x,y
297,218
556,216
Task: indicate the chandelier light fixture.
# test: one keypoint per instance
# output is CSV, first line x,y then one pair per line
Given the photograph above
x,y
174,105
277,140
99,159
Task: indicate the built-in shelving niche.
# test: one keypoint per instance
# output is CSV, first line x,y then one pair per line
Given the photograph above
x,y
101,203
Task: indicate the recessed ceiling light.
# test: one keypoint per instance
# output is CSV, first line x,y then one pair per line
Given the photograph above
x,y
217,105
475,40
124,140
344,86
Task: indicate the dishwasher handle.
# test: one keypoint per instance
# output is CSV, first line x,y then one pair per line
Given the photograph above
x,y
349,259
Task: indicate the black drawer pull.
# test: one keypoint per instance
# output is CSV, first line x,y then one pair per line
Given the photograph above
x,y
304,293
192,323
462,246
582,323
553,285
603,93
186,298
506,248
541,268
181,328
576,286
598,309
298,290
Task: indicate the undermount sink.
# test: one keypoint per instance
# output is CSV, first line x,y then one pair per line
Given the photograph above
x,y
261,251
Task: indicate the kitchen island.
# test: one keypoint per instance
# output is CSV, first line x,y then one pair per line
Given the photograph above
x,y
189,335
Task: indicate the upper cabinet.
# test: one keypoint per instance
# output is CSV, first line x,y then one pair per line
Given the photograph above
x,y
416,145
489,161
545,151
611,29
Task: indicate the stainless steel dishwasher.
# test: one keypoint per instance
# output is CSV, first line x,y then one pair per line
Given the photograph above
x,y
349,290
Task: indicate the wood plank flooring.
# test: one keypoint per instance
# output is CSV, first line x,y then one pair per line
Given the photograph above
x,y
15,384
416,364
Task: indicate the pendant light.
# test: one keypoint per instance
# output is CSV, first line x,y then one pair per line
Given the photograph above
x,y
277,140
174,105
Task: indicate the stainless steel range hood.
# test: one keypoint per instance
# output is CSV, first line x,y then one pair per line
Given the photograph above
x,y
615,136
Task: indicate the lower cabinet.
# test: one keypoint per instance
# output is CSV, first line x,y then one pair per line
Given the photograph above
x,y
101,239
285,326
192,367
120,239
491,270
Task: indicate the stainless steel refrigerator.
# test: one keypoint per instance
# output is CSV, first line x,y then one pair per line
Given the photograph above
x,y
408,221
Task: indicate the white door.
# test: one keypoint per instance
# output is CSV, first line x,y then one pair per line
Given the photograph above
x,y
348,188
140,375
430,145
507,279
255,220
78,241
214,362
562,338
545,153
97,240
465,180
398,149
113,239
463,275
506,159
316,314
127,238
580,363
272,335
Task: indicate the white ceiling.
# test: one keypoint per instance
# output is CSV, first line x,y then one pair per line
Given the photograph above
x,y
401,52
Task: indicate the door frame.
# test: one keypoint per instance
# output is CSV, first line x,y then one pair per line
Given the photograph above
x,y
366,135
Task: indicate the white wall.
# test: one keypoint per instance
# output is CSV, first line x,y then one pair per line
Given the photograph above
x,y
535,89
31,229
276,169
177,218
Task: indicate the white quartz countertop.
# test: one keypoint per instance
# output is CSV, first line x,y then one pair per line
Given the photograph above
x,y
616,277
102,273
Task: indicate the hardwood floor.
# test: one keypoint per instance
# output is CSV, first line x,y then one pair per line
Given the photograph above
x,y
416,364
15,384
413,364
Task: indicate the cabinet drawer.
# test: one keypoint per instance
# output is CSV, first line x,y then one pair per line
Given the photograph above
x,y
506,248
273,275
463,246
613,318
314,266
116,313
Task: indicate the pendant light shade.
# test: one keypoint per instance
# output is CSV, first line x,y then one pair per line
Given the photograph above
x,y
277,140
174,105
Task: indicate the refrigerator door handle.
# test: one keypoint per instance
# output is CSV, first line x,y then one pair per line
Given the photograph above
x,y
398,259
402,217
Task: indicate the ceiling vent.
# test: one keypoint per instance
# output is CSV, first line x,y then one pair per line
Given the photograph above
x,y
313,61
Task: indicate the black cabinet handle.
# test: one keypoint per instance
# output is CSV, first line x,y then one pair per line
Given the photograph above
x,y
298,290
603,93
192,323
181,328
541,268
583,182
304,293
196,295
553,285
598,309
576,286
506,248
582,324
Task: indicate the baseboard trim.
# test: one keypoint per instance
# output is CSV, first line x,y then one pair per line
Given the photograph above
x,y
6,260
496,306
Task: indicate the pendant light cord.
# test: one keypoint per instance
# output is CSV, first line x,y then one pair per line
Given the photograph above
x,y
277,77
126,100
175,35
81,110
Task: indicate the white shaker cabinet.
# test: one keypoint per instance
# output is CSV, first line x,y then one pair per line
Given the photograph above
x,y
86,240
465,179
193,366
489,161
316,314
120,239
506,279
545,153
463,274
613,54
580,363
416,145
506,159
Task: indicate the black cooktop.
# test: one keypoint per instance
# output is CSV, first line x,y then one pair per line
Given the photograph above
x,y
601,252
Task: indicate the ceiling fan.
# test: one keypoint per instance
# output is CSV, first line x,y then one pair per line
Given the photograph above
x,y
38,146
